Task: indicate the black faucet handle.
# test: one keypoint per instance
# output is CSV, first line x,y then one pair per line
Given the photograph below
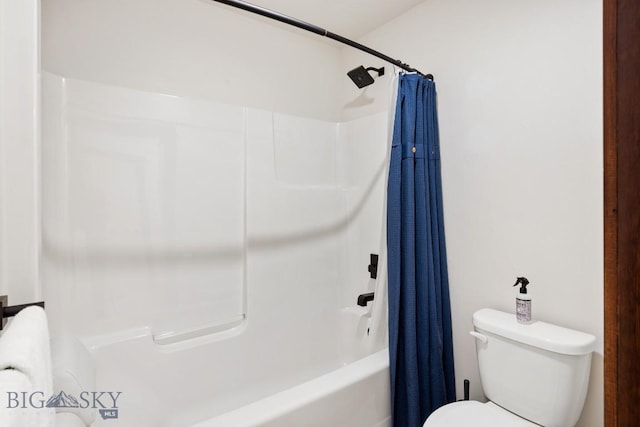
x,y
363,299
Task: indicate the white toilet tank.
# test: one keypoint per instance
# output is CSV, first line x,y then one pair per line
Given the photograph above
x,y
538,371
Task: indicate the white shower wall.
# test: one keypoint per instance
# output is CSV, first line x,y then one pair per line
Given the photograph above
x,y
165,213
143,198
205,51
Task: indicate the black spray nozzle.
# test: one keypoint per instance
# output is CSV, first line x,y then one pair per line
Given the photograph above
x,y
523,282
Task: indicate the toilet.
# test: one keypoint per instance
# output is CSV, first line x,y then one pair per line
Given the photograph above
x,y
533,375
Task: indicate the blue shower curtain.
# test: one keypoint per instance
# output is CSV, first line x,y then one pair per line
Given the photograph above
x,y
420,343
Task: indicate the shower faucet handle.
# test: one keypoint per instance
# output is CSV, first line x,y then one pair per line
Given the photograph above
x,y
363,299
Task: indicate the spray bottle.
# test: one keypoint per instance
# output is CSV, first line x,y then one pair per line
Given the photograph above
x,y
523,301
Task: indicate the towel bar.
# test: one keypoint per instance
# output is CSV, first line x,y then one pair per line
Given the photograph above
x,y
11,310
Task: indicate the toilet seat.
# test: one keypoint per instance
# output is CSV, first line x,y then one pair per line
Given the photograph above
x,y
476,414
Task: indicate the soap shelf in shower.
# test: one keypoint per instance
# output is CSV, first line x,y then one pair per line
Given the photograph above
x,y
173,337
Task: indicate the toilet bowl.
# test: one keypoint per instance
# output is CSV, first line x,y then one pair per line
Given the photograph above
x,y
533,375
476,414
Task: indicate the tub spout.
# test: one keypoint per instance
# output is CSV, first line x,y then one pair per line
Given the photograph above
x,y
363,299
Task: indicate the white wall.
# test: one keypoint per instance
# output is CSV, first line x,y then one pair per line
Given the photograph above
x,y
520,106
194,48
19,116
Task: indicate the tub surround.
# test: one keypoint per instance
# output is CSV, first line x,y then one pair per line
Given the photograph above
x,y
225,245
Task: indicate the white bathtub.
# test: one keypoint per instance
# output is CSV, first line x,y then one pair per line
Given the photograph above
x,y
356,395
227,380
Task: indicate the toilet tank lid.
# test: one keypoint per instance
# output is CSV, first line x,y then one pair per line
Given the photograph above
x,y
537,334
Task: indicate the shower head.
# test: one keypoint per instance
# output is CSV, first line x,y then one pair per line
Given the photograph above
x,y
361,76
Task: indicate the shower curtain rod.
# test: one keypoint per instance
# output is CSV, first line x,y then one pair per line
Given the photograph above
x,y
317,30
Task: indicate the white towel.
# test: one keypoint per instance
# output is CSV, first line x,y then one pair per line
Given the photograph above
x,y
25,371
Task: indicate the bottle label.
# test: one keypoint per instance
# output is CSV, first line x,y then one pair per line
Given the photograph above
x,y
523,310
